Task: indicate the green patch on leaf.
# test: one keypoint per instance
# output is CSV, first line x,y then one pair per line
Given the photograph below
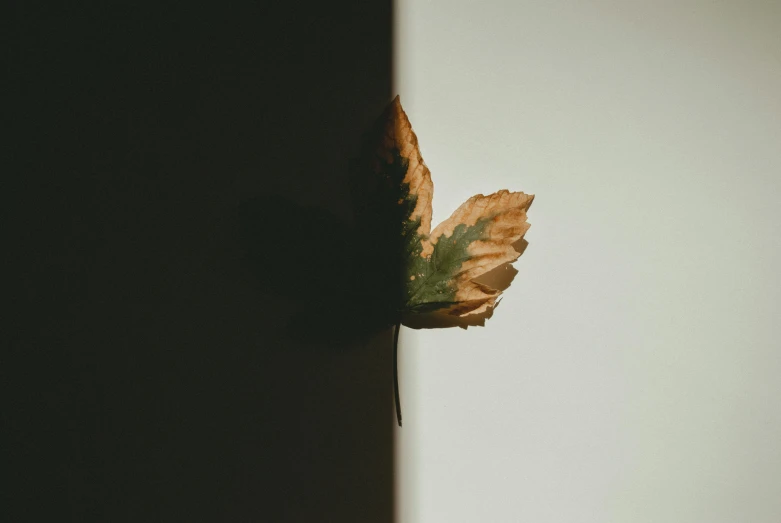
x,y
431,281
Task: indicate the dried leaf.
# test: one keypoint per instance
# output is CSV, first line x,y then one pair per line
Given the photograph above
x,y
441,267
445,272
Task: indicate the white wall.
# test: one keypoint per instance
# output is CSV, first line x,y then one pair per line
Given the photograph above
x,y
633,371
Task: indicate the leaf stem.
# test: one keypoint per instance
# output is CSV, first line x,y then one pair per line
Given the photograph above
x,y
396,370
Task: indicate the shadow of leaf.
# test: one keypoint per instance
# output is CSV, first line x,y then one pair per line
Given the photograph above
x,y
307,257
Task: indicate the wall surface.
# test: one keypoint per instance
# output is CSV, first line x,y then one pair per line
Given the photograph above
x,y
631,373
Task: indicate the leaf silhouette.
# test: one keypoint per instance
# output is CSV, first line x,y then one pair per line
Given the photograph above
x,y
450,276
441,270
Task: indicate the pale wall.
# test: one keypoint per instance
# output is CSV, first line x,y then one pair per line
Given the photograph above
x,y
631,373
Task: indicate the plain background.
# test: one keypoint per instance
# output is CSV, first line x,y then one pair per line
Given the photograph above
x,y
631,373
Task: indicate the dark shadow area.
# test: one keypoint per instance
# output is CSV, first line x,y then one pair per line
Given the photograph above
x,y
188,340
331,273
